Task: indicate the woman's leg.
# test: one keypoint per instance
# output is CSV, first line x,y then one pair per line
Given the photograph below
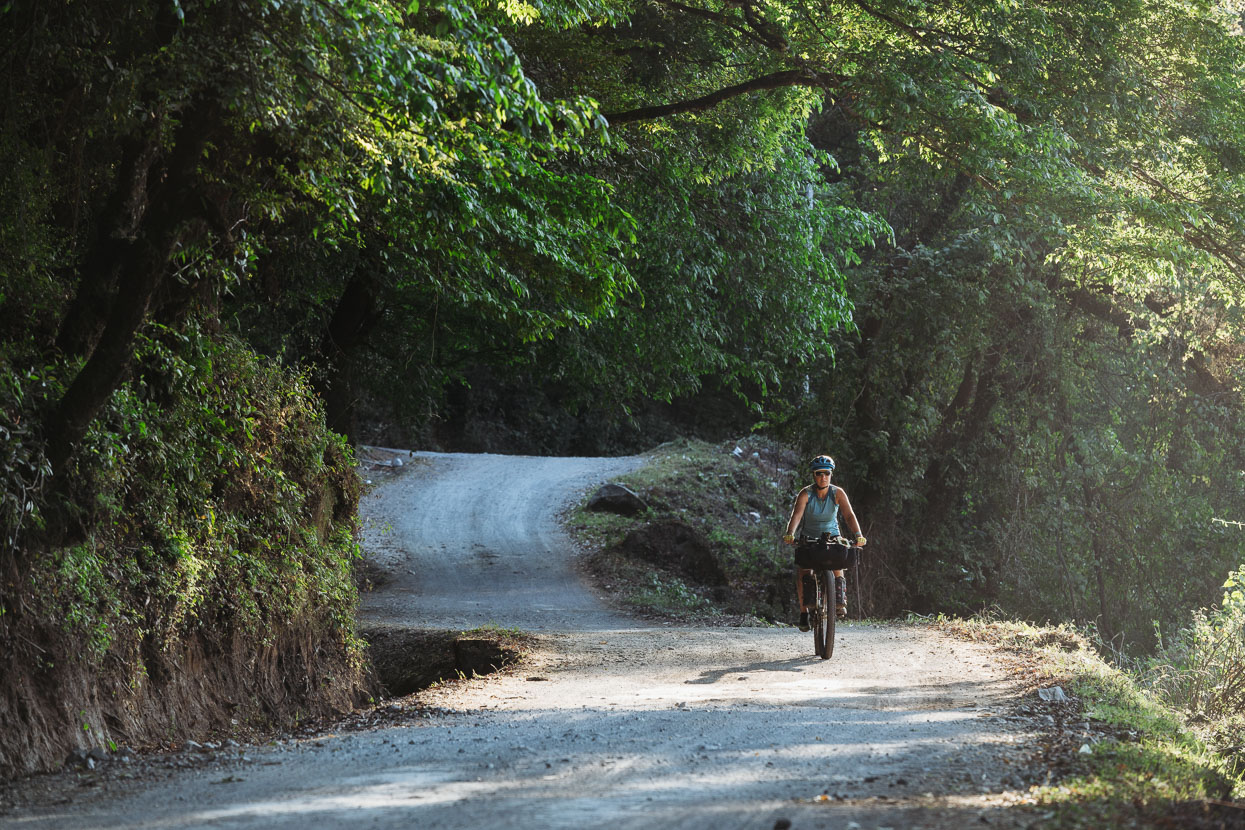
x,y
800,573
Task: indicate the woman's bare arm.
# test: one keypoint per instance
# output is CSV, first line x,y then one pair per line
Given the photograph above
x,y
849,515
797,512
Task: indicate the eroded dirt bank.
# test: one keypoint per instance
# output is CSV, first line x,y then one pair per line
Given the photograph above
x,y
608,722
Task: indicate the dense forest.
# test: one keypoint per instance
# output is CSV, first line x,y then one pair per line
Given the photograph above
x,y
987,253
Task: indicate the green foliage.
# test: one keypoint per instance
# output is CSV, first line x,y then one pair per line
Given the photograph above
x,y
739,279
218,499
706,249
736,281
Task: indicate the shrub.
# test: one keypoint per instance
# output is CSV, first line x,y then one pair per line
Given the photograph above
x,y
1202,670
218,495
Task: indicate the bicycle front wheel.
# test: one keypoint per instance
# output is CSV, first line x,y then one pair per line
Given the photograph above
x,y
823,626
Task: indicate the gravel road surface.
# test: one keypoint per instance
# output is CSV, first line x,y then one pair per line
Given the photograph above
x,y
457,550
609,722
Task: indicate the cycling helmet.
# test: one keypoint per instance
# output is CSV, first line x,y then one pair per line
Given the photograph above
x,y
821,462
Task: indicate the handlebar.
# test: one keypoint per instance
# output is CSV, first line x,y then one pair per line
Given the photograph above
x,y
837,540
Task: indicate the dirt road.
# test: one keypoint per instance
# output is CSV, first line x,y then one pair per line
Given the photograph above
x,y
456,551
610,723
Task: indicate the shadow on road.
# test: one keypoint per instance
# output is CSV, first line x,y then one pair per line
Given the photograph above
x,y
705,766
793,664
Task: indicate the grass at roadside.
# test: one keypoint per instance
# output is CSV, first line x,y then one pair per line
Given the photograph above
x,y
1138,765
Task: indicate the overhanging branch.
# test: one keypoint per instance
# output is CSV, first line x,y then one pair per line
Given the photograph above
x,y
775,80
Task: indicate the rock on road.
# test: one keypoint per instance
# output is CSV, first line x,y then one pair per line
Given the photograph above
x,y
610,722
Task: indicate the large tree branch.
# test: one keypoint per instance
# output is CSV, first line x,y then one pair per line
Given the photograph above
x,y
1221,249
1099,305
98,275
774,80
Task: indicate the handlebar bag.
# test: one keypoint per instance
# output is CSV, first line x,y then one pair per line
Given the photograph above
x,y
825,555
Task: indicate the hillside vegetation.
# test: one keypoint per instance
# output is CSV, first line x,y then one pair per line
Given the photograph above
x,y
708,546
207,587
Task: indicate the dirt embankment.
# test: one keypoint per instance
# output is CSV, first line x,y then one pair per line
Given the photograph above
x,y
116,645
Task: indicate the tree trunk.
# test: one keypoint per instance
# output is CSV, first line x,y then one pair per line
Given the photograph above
x,y
104,371
88,313
953,435
142,265
1102,566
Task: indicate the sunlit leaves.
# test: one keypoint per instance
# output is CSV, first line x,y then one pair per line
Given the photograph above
x,y
738,279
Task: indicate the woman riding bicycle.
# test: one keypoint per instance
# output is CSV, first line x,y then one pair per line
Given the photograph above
x,y
815,513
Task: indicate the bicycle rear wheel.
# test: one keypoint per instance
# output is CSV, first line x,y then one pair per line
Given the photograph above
x,y
822,617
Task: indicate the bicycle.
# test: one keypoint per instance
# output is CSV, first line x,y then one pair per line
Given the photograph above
x,y
823,555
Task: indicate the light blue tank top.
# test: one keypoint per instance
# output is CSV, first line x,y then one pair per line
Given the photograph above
x,y
820,515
